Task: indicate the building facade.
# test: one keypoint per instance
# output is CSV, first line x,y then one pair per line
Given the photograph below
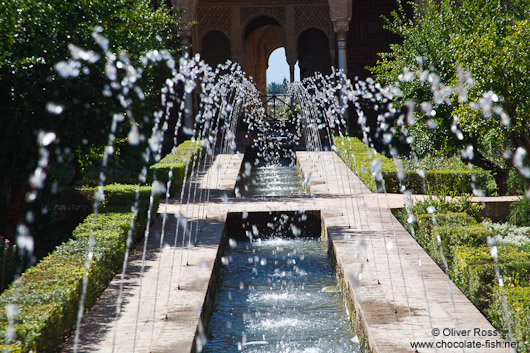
x,y
318,34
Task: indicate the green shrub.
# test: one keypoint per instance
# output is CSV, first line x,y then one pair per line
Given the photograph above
x,y
441,205
110,222
48,294
11,348
517,183
520,212
359,158
473,270
438,181
174,164
120,198
518,300
424,225
451,236
509,234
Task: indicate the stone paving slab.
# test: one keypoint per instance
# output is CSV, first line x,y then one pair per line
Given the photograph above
x,y
382,285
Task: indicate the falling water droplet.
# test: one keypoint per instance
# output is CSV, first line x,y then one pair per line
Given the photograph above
x,y
134,136
54,108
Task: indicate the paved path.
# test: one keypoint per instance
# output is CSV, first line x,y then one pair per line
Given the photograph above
x,y
395,300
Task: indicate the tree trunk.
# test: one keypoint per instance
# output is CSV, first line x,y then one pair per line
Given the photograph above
x,y
501,179
500,174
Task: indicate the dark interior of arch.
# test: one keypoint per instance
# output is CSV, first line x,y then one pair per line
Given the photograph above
x,y
313,53
258,22
215,48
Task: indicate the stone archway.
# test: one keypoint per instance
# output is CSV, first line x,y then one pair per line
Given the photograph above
x,y
295,16
263,35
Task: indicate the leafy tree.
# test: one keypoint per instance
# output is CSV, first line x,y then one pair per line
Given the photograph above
x,y
35,35
285,85
274,88
487,39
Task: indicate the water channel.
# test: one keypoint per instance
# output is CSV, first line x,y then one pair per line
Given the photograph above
x,y
279,293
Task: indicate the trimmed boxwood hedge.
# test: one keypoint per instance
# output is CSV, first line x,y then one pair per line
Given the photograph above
x,y
452,236
120,198
471,265
173,165
47,295
473,270
518,300
359,158
424,225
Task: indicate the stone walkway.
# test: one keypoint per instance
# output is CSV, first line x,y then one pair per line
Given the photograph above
x,y
395,300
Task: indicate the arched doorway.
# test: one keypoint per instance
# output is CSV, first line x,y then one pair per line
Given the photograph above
x,y
313,53
262,36
278,68
215,48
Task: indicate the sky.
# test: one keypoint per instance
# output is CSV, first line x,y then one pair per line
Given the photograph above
x,y
278,67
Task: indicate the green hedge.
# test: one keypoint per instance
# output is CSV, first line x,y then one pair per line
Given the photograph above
x,y
473,270
47,295
120,198
358,157
452,236
518,300
174,164
424,225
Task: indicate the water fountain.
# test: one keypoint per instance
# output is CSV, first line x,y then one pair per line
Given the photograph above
x,y
388,283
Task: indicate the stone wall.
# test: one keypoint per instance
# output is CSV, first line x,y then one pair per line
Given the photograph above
x,y
366,36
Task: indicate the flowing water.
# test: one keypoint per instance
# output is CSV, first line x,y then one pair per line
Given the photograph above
x,y
280,179
279,295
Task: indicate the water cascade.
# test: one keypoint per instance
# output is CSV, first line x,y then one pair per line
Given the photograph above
x,y
279,295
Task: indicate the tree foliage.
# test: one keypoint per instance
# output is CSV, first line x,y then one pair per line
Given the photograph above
x,y
481,46
35,35
277,88
274,88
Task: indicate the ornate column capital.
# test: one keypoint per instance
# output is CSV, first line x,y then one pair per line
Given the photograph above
x,y
341,25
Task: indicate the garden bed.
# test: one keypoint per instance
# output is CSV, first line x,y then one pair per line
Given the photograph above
x,y
378,172
475,253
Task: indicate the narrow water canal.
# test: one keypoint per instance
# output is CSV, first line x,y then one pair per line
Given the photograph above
x,y
273,180
279,295
276,177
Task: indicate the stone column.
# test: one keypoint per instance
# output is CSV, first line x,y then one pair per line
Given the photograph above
x,y
341,29
292,57
291,46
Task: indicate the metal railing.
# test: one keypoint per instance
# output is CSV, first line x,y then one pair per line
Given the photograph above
x,y
278,106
